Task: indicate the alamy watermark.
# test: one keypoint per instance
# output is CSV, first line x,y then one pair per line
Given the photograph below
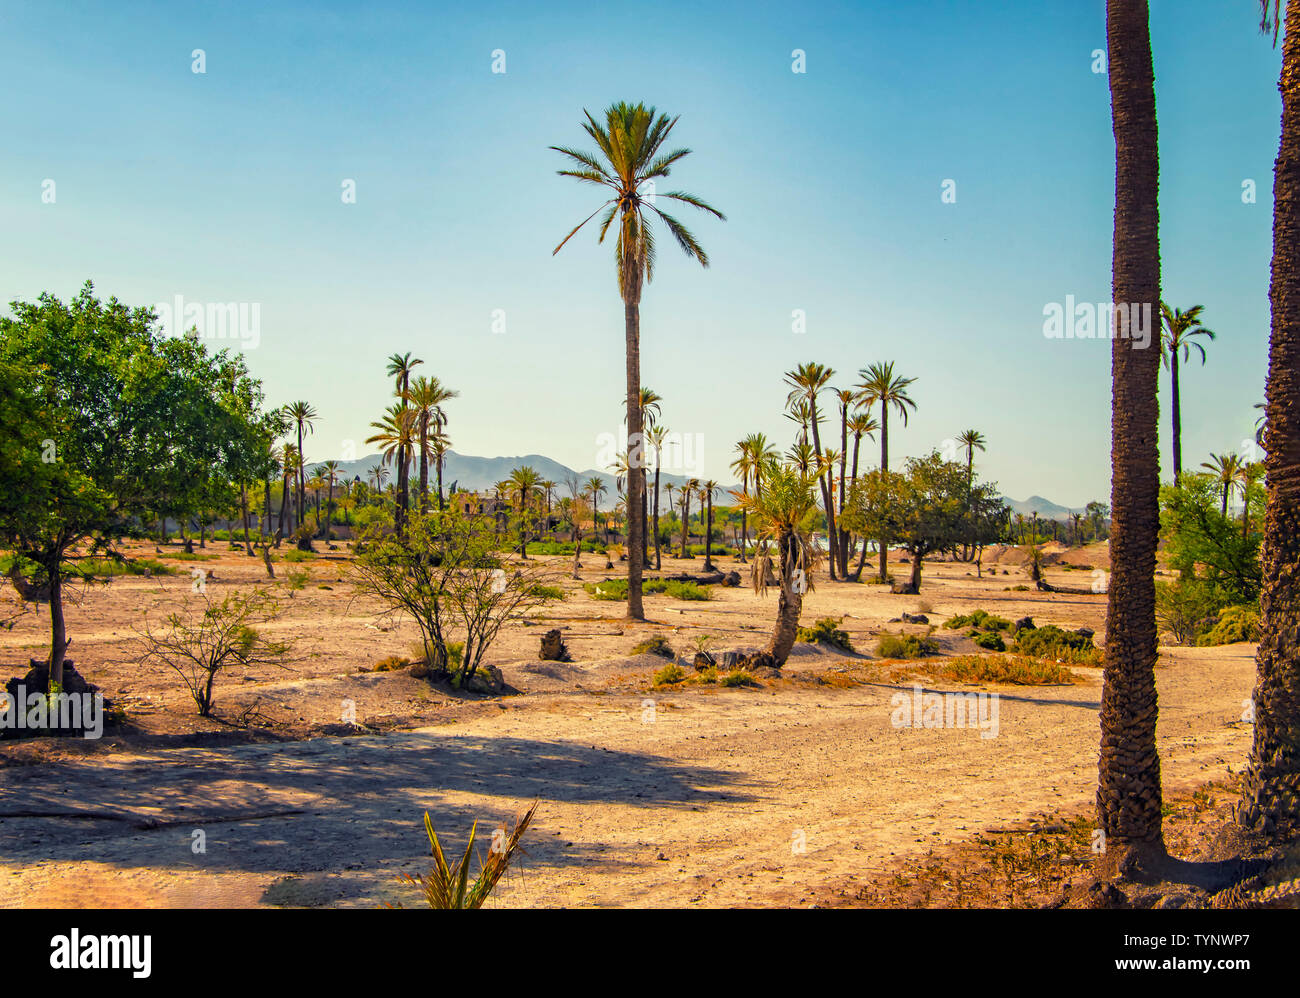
x,y
38,711
921,709
1086,320
240,321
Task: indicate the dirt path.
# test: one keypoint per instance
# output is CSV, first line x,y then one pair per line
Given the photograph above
x,y
703,799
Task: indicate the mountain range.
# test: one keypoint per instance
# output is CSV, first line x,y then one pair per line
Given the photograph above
x,y
480,474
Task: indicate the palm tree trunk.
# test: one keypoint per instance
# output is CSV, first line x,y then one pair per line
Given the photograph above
x,y
789,604
884,466
635,446
1272,782
844,456
708,539
441,505
1129,790
828,503
1177,417
424,465
658,559
58,627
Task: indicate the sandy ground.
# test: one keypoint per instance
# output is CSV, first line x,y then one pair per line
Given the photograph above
x,y
704,796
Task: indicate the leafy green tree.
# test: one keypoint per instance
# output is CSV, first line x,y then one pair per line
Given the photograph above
x,y
1202,542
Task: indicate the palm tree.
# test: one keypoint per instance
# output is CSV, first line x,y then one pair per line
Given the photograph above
x,y
1177,342
650,413
329,471
779,513
971,441
879,384
596,488
657,434
861,424
439,445
1226,468
426,397
377,473
628,158
288,459
846,397
395,436
691,487
669,489
525,482
806,382
707,491
303,415
1129,798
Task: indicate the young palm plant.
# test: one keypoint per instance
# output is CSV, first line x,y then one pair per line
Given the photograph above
x,y
628,162
447,885
781,514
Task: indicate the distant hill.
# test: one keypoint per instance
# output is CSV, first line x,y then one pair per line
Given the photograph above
x,y
1045,508
479,474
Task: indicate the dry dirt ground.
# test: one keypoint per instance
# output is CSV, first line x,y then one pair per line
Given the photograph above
x,y
795,791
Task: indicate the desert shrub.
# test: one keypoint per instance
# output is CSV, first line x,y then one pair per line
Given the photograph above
x,y
826,631
200,644
110,568
1052,642
448,885
393,663
688,591
737,677
1017,670
1189,607
548,592
906,646
991,640
669,674
610,589
709,675
294,555
296,578
653,646
1235,623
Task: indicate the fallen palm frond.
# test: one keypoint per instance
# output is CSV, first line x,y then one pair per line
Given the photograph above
x,y
447,885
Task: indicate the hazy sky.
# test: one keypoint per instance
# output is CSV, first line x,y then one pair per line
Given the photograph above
x,y
226,186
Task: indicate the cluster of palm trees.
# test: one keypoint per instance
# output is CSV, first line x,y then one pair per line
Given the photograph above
x,y
414,424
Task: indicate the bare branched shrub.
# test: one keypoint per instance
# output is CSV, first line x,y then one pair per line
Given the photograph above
x,y
209,636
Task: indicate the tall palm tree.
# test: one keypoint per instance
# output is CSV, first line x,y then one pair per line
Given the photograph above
x,y
596,488
657,434
707,492
650,413
779,513
439,445
395,437
329,472
1177,341
743,466
1226,468
688,490
525,482
1129,795
847,398
377,473
400,366
806,382
971,441
861,424
628,158
426,397
880,384
669,489
304,415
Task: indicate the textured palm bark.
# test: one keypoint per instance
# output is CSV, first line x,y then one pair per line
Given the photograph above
x,y
1272,803
635,448
1129,790
789,603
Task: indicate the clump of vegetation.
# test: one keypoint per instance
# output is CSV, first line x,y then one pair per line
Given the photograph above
x,y
93,568
978,619
296,579
737,677
826,631
1235,623
393,663
1052,642
653,646
1018,670
669,674
448,885
616,589
549,592
295,555
199,645
709,675
990,640
906,646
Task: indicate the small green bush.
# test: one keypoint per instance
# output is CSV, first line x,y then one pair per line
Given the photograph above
x,y
991,640
1052,642
826,631
1236,623
548,592
906,646
670,674
737,677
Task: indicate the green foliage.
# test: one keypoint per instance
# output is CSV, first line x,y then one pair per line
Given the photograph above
x,y
737,677
1017,670
906,646
669,675
448,886
1201,543
549,592
979,619
826,631
990,640
1235,623
616,589
1052,642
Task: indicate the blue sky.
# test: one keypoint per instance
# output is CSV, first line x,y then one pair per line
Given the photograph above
x,y
225,186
